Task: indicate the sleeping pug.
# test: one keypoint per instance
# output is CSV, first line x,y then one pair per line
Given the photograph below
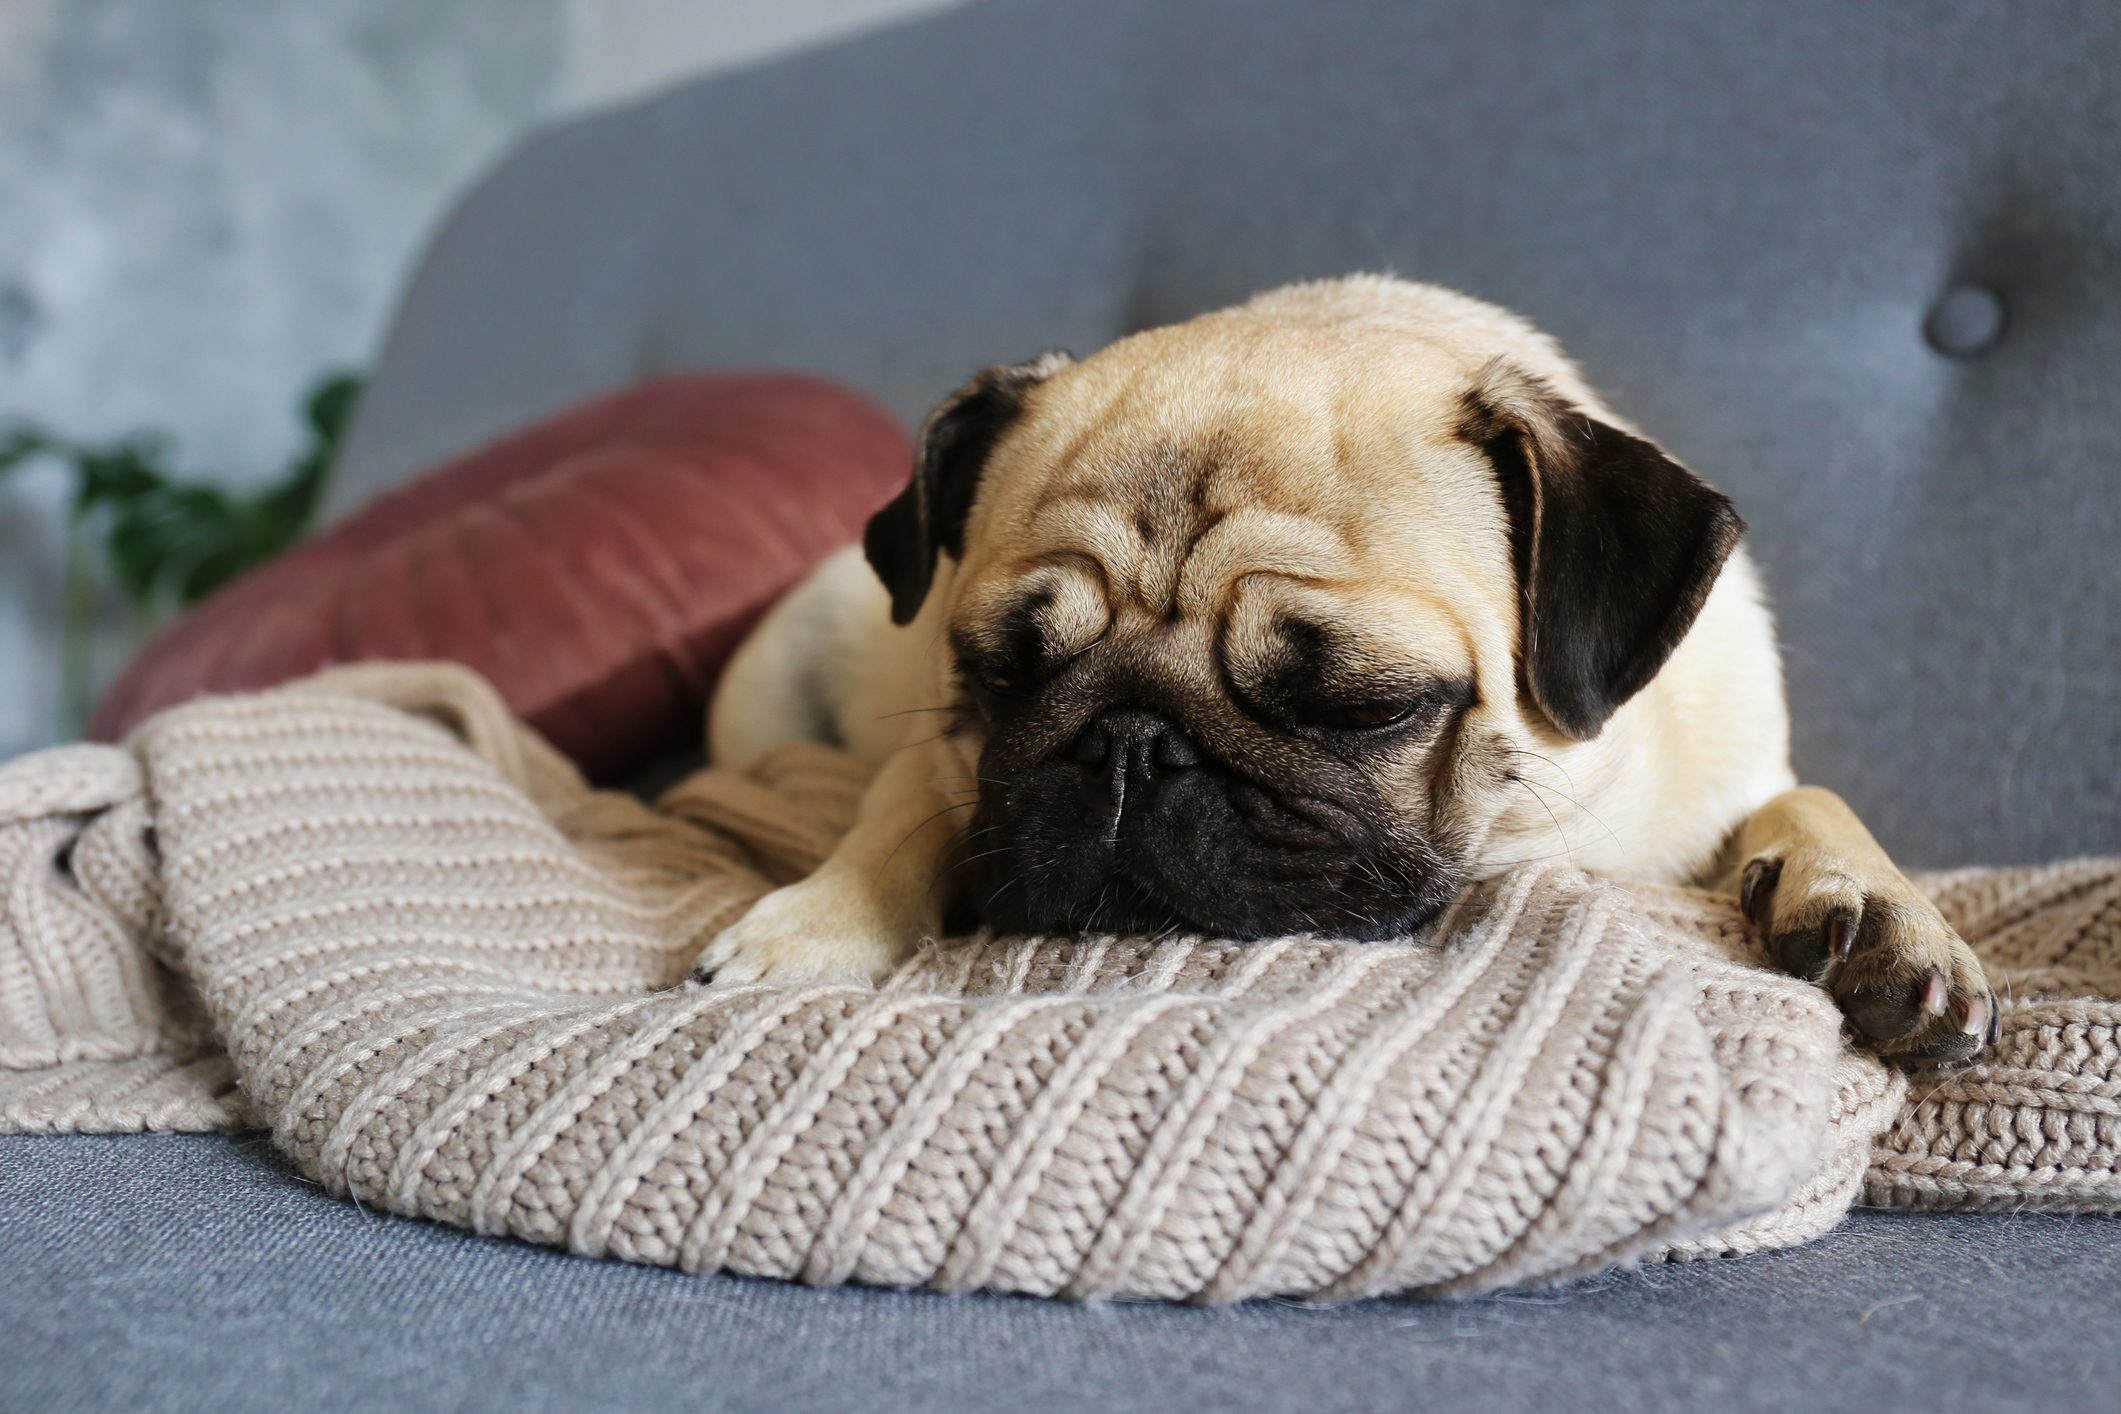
x,y
1298,617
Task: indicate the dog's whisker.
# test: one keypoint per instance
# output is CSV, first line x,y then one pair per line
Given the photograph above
x,y
924,824
909,712
1568,795
1567,850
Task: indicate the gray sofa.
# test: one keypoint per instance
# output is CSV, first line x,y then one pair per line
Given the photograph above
x,y
1859,265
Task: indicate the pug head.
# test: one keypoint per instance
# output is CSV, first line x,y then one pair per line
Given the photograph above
x,y
1249,620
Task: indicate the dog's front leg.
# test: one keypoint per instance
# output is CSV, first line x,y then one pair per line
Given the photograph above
x,y
868,905
1833,908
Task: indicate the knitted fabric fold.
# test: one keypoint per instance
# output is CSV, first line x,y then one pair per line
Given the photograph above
x,y
374,915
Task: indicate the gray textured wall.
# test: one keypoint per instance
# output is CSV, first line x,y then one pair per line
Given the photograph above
x,y
202,204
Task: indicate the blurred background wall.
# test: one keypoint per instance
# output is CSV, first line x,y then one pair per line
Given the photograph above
x,y
204,204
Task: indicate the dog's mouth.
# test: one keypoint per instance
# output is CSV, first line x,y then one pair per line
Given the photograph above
x,y
1120,904
1123,901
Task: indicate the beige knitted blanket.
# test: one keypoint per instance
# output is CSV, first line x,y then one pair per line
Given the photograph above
x,y
373,914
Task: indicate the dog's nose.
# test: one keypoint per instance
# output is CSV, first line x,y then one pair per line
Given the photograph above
x,y
1135,741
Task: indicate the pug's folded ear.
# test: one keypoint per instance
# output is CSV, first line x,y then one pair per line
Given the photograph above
x,y
1616,546
927,519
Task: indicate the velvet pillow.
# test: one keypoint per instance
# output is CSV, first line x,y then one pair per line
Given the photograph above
x,y
598,567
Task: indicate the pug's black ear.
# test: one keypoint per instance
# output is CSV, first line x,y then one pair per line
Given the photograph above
x,y
1616,546
927,519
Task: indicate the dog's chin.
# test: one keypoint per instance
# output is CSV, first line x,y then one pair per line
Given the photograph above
x,y
1093,889
1124,904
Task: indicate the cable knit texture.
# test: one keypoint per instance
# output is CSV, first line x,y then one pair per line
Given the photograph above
x,y
373,914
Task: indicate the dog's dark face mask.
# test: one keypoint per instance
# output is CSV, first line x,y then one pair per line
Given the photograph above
x,y
1129,792
1282,775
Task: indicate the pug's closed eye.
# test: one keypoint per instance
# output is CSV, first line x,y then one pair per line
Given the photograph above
x,y
1378,714
994,682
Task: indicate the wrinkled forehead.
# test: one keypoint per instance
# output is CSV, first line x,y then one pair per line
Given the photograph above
x,y
1043,612
1187,488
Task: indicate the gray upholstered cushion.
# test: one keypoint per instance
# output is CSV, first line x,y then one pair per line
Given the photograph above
x,y
1738,216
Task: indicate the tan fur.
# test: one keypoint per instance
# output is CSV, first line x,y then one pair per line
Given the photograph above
x,y
1304,448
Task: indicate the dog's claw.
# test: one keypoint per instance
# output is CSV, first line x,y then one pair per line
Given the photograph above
x,y
1759,883
1841,933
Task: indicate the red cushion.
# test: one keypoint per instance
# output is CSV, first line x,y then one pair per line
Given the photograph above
x,y
598,567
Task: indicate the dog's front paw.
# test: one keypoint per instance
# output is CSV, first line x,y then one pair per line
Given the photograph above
x,y
1908,984
815,931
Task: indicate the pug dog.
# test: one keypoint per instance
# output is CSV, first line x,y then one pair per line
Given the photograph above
x,y
1298,617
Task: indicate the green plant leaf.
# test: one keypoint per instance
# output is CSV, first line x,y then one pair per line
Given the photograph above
x,y
136,548
117,474
22,443
216,567
330,406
